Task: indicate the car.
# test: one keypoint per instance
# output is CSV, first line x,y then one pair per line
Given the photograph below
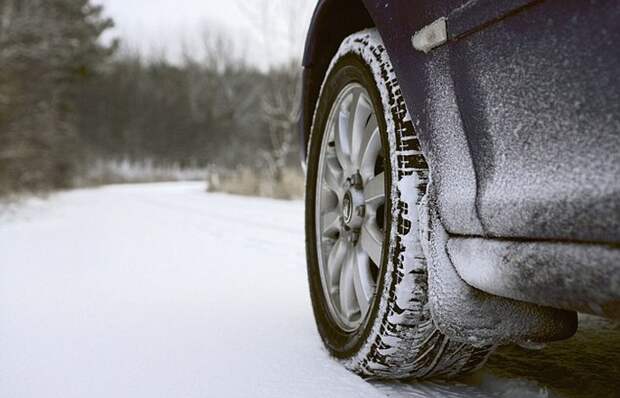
x,y
463,177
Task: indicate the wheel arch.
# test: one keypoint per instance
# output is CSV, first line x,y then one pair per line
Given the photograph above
x,y
327,31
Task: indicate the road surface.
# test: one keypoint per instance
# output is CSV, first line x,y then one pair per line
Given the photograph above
x,y
163,290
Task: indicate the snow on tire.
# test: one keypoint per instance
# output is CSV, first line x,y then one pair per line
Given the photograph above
x,y
394,335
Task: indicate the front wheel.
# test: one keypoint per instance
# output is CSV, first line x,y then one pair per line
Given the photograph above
x,y
367,271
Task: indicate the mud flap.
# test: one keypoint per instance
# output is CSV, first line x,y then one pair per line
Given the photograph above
x,y
469,315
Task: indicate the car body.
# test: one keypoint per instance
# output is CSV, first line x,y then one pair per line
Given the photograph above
x,y
517,110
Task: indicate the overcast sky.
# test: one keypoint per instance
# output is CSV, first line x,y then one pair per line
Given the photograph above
x,y
263,31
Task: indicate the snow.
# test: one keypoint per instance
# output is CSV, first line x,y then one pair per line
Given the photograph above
x,y
163,290
431,36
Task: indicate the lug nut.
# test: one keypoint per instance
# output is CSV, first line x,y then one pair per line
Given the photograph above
x,y
356,180
360,211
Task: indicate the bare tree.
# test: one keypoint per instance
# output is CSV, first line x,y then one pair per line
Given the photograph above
x,y
280,107
280,103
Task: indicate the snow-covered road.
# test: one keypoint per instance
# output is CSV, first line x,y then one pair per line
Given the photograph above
x,y
162,290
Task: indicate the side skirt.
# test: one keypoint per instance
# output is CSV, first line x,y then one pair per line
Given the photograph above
x,y
576,276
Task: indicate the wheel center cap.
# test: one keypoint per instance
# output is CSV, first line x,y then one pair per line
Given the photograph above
x,y
353,209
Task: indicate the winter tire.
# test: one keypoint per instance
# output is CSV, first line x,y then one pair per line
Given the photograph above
x,y
366,178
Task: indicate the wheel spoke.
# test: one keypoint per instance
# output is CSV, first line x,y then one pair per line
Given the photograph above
x,y
371,239
330,224
333,175
374,191
341,137
360,134
335,262
348,298
371,126
362,280
329,199
370,153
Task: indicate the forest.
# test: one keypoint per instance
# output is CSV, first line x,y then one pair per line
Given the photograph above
x,y
74,110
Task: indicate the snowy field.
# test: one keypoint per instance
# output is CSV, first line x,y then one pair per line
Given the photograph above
x,y
163,290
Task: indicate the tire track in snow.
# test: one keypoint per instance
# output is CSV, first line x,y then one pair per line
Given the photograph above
x,y
214,215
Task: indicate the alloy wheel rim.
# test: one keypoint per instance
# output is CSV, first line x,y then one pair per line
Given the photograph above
x,y
350,207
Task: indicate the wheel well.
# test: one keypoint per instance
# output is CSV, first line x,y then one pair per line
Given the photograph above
x,y
332,22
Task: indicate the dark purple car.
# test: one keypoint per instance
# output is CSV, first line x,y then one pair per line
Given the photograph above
x,y
463,189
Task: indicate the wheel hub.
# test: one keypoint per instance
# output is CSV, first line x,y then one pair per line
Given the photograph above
x,y
353,205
